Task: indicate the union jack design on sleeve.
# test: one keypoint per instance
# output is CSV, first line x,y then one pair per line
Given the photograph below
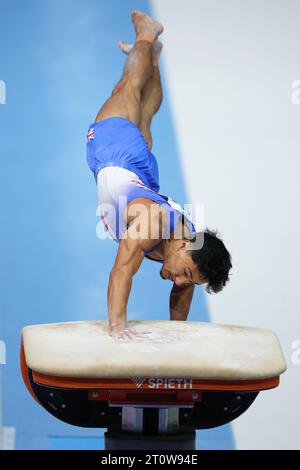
x,y
91,134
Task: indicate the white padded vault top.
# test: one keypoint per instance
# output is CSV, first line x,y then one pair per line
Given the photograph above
x,y
182,349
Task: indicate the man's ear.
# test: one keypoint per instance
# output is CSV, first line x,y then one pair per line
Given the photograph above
x,y
185,244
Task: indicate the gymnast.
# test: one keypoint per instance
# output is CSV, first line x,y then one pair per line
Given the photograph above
x,y
145,223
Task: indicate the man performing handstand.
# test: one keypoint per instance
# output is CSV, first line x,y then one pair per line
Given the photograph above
x,y
143,221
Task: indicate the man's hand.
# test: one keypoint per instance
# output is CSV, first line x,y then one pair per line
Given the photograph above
x,y
180,301
129,334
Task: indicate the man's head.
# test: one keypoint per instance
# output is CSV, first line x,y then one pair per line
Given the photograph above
x,y
185,264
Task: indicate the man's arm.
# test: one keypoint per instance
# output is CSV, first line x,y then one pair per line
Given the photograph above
x,y
180,301
128,260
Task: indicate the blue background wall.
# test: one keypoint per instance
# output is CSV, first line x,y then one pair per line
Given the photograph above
x,y
60,61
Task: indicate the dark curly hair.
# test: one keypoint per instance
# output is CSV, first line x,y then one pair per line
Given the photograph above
x,y
213,260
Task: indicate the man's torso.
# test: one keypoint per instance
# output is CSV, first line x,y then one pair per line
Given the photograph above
x,y
181,228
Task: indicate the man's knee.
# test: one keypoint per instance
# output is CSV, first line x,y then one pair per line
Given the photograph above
x,y
117,88
128,92
132,91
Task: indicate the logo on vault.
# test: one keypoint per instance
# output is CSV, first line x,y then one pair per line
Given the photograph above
x,y
162,383
138,381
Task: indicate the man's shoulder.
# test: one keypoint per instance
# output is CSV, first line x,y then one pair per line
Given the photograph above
x,y
147,209
146,222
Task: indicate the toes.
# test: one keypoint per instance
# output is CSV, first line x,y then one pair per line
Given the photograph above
x,y
135,14
126,48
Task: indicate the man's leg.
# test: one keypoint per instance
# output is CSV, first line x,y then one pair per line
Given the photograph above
x,y
151,99
126,101
152,92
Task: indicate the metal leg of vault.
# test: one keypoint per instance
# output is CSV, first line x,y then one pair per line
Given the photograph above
x,y
149,429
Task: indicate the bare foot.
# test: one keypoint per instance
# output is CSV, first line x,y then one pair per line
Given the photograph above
x,y
126,48
145,26
157,48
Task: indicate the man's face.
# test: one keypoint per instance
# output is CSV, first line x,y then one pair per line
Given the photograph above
x,y
178,265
